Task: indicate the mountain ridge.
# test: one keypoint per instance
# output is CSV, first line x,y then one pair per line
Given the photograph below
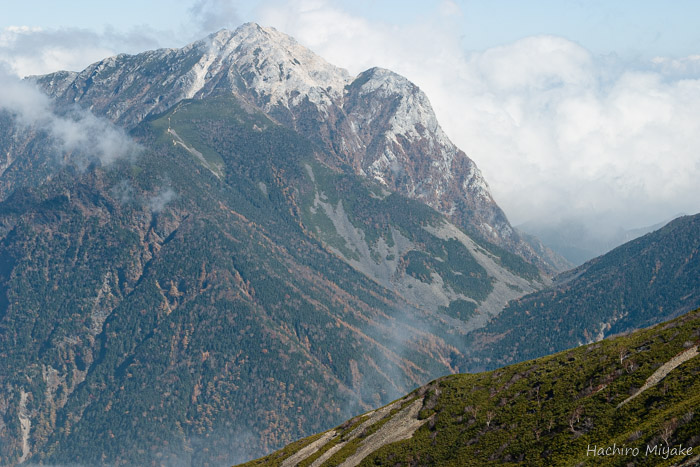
x,y
640,283
303,92
570,408
174,299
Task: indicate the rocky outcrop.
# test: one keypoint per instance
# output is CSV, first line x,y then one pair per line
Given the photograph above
x,y
663,371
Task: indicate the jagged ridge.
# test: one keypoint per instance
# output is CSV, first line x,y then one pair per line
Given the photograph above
x,y
378,123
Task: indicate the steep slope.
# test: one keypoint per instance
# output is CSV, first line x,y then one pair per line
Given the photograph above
x,y
248,277
25,155
193,303
571,408
168,310
643,282
378,124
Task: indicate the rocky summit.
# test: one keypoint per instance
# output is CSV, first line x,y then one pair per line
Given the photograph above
x,y
378,124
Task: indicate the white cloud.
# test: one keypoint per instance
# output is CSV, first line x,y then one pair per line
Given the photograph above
x,y
79,135
158,202
212,15
582,144
557,131
684,67
33,50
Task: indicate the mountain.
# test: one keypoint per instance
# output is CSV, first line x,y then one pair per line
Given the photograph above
x,y
377,125
626,401
643,282
578,243
203,254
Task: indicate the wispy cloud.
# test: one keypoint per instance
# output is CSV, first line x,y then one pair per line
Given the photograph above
x,y
158,202
78,135
212,15
558,131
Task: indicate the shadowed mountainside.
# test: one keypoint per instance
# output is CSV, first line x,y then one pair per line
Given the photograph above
x,y
643,282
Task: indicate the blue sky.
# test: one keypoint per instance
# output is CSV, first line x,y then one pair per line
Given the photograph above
x,y
638,27
626,27
573,110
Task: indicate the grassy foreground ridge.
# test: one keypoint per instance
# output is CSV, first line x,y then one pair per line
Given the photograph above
x,y
630,399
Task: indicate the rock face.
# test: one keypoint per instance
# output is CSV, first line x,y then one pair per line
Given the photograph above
x,y
378,123
391,135
220,294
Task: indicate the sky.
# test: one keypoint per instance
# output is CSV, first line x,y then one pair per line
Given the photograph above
x,y
574,110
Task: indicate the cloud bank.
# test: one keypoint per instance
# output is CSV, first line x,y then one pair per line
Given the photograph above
x,y
28,50
558,132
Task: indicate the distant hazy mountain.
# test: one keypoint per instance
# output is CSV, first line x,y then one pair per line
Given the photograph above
x,y
287,247
643,282
626,401
578,243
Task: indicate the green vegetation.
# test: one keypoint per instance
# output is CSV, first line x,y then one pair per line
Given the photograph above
x,y
641,283
550,411
188,309
351,446
460,309
173,324
376,214
344,431
510,261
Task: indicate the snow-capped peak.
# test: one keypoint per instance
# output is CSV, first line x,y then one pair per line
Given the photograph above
x,y
280,70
